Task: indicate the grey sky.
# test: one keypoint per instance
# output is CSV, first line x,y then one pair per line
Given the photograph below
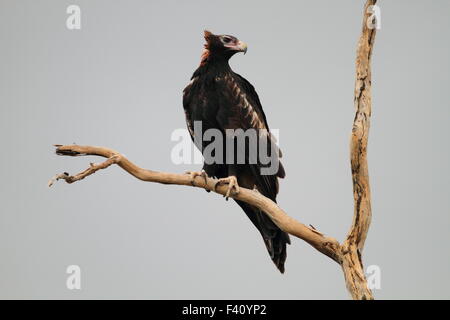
x,y
117,82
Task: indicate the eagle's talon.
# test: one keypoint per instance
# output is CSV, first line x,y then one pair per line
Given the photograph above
x,y
232,184
195,174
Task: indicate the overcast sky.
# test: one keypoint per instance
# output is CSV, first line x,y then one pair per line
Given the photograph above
x,y
118,82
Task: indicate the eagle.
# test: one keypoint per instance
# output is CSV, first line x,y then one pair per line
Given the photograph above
x,y
221,99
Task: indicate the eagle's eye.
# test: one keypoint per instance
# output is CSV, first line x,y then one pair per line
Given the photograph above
x,y
226,39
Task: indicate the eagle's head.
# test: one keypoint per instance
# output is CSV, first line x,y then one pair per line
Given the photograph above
x,y
222,46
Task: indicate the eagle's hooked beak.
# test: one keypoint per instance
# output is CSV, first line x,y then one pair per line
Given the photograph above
x,y
242,46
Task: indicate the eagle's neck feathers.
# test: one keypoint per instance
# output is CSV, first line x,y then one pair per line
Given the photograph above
x,y
212,65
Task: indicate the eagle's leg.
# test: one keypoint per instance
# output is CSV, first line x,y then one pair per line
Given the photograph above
x,y
195,174
231,181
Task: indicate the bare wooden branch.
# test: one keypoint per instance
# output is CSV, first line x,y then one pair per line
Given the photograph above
x,y
353,246
326,245
349,254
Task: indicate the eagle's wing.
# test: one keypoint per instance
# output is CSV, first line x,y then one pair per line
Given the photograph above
x,y
192,98
240,108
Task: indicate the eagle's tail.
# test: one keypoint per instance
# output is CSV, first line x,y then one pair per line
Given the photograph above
x,y
274,238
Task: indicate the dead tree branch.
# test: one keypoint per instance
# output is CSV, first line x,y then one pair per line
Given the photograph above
x,y
353,245
327,246
348,254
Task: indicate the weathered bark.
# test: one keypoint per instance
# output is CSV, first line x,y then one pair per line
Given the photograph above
x,y
353,246
327,246
348,254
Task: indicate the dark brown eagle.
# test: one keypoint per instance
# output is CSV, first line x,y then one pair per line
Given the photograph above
x,y
222,99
